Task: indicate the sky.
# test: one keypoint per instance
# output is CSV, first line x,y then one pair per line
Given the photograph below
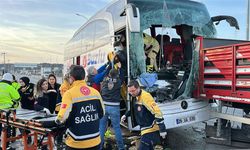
x,y
36,31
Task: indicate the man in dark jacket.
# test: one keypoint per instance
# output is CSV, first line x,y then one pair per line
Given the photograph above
x,y
111,96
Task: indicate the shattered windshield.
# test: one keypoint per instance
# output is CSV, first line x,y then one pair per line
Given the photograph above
x,y
175,12
168,13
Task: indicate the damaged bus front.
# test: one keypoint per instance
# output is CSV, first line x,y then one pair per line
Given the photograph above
x,y
175,89
175,24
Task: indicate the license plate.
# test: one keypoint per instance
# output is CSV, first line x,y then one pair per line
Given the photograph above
x,y
184,120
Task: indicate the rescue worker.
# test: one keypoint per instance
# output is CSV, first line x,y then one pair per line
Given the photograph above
x,y
111,95
9,96
147,115
15,84
81,110
65,86
151,48
120,60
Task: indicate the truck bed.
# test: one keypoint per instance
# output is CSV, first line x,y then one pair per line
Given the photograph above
x,y
225,70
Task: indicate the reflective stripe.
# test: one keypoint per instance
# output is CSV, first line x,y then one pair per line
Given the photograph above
x,y
85,98
111,103
9,105
148,126
160,122
82,137
66,114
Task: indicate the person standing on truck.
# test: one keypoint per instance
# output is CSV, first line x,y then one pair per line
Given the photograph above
x,y
81,111
147,115
151,48
110,91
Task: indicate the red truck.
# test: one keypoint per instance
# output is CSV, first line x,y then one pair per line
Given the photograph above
x,y
224,77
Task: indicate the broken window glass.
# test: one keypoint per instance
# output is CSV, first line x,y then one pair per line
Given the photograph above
x,y
167,13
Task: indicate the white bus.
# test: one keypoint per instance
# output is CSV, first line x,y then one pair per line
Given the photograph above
x,y
177,81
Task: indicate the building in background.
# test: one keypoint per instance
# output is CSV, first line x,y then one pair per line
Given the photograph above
x,y
32,69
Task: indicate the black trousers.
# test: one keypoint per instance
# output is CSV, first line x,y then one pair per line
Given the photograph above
x,y
0,129
92,148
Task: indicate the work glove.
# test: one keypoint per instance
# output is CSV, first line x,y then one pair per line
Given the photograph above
x,y
163,134
46,111
123,118
58,122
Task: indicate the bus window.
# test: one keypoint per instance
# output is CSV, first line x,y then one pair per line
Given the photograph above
x,y
88,36
115,10
101,33
78,60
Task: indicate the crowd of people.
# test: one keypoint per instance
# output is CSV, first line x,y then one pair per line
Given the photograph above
x,y
42,96
85,105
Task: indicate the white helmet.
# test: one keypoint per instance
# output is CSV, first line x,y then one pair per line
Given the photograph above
x,y
8,77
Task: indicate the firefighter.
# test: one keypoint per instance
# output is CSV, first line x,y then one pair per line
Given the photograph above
x,y
81,110
151,48
147,115
9,96
15,84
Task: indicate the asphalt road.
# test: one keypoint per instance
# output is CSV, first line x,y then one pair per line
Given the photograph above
x,y
192,138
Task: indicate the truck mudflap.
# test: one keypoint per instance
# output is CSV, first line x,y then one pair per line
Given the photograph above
x,y
185,112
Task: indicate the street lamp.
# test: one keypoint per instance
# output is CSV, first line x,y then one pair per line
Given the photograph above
x,y
4,61
248,20
82,16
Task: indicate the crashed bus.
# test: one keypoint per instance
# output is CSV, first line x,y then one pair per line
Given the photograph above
x,y
177,90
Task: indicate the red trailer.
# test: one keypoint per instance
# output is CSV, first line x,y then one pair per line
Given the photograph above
x,y
225,73
224,78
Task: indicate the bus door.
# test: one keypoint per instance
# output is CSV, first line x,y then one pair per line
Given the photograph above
x,y
132,32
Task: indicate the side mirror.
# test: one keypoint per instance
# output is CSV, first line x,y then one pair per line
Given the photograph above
x,y
231,20
133,18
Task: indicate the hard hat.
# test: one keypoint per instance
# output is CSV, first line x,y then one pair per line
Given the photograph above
x,y
8,77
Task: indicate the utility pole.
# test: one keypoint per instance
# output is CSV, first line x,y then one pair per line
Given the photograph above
x,y
4,61
248,20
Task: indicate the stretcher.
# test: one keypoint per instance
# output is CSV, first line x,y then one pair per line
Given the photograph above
x,y
42,128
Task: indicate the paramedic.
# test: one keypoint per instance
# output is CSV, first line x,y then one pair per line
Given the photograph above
x,y
81,110
147,115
